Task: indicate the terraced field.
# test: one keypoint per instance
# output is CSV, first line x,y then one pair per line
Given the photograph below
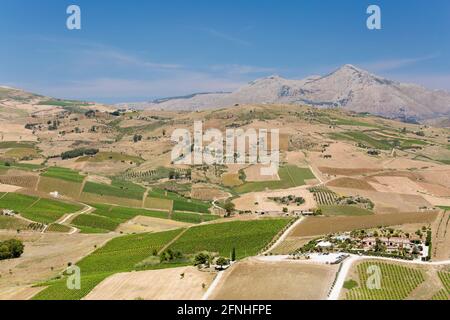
x,y
290,177
397,282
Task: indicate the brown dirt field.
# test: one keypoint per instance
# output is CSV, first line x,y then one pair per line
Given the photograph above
x,y
400,185
347,172
141,224
207,192
158,204
435,189
386,202
21,181
43,251
164,284
260,200
351,184
253,174
19,293
231,180
317,226
9,188
291,244
290,280
65,188
344,156
441,177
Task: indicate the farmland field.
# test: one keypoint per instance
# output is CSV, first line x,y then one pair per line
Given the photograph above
x,y
118,255
193,217
118,188
290,177
316,226
445,279
54,227
63,174
397,282
180,203
324,196
107,218
16,201
48,211
63,186
344,211
247,237
158,203
111,156
24,181
37,209
11,223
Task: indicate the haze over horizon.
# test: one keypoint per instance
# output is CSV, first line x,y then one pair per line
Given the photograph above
x,y
140,54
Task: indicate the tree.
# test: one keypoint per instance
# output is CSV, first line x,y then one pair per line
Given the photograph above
x,y
233,254
229,207
201,258
221,262
137,138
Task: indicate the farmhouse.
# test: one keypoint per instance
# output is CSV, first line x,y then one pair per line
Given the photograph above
x,y
8,213
390,243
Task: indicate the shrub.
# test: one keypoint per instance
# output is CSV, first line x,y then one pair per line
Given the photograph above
x,y
11,249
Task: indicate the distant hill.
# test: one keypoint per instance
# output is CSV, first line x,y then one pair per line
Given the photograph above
x,y
349,88
20,99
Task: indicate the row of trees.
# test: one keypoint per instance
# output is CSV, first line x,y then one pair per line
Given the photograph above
x,y
78,153
11,249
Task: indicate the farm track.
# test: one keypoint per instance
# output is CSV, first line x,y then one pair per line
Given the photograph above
x,y
173,240
284,235
147,189
83,184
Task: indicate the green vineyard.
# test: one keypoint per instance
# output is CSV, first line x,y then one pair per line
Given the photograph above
x,y
324,196
397,282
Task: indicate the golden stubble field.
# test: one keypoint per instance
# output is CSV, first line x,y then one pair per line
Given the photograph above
x,y
287,280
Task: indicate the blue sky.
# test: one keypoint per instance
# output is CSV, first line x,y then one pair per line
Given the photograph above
x,y
139,50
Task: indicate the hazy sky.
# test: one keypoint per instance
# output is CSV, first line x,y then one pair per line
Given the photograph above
x,y
139,50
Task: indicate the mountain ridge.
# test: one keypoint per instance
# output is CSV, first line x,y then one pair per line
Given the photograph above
x,y
349,87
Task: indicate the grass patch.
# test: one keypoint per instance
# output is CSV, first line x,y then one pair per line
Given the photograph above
x,y
350,284
290,177
63,174
108,156
15,144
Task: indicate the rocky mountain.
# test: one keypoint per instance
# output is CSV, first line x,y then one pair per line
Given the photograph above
x,y
349,88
